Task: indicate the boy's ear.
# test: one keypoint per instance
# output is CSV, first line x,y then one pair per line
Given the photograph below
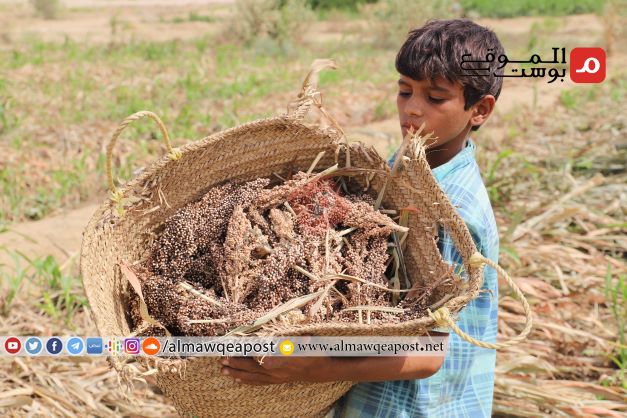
x,y
482,110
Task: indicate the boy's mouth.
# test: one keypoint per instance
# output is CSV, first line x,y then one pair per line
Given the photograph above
x,y
409,125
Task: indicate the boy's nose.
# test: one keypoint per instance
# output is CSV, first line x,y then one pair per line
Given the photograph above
x,y
413,108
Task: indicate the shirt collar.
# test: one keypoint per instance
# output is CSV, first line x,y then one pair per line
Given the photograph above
x,y
466,155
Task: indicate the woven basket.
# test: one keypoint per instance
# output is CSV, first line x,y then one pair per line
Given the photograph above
x,y
121,231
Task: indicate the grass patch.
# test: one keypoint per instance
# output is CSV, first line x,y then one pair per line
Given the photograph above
x,y
616,295
56,292
576,97
513,8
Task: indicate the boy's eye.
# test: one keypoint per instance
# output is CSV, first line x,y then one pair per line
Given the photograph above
x,y
404,93
436,99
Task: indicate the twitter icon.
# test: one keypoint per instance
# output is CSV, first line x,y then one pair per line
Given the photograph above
x,y
33,346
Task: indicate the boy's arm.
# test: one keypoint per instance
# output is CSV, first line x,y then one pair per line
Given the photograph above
x,y
376,369
329,369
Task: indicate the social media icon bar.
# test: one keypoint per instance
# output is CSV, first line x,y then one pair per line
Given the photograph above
x,y
78,346
94,345
587,65
75,346
12,345
54,346
33,346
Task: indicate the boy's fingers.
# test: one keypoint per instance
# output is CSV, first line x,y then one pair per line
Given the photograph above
x,y
243,363
272,362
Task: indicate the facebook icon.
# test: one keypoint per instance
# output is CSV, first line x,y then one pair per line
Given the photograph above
x,y
54,346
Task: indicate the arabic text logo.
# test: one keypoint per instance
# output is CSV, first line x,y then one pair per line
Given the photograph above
x,y
536,66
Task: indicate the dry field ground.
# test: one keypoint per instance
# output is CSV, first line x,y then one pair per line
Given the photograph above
x,y
553,158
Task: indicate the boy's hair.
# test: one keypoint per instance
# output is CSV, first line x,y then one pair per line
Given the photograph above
x,y
436,49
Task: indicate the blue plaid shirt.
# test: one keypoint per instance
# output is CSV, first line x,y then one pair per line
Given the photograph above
x,y
464,385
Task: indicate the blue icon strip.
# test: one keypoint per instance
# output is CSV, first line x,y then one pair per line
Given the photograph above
x,y
67,346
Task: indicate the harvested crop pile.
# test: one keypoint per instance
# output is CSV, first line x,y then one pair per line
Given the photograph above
x,y
310,243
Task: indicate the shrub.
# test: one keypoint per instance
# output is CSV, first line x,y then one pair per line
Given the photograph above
x,y
391,20
283,21
337,4
513,8
48,9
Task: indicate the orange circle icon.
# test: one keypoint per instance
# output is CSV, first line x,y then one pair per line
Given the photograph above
x,y
151,346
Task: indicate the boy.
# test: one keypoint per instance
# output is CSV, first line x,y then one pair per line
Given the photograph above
x,y
431,90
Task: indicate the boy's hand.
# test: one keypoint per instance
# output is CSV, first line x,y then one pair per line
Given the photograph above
x,y
274,370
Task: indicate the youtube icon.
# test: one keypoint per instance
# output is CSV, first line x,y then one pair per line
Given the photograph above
x,y
12,345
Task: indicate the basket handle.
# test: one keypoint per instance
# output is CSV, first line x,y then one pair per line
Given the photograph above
x,y
309,94
173,153
443,316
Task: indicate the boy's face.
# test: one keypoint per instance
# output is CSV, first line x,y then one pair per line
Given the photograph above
x,y
440,105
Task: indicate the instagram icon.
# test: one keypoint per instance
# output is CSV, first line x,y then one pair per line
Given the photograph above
x,y
131,345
